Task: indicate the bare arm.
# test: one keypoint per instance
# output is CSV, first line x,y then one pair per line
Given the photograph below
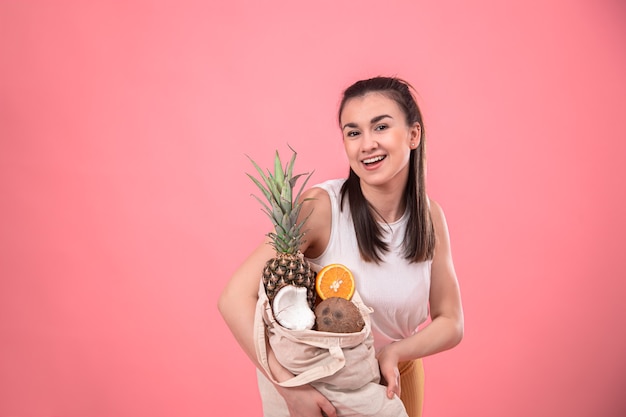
x,y
446,328
237,304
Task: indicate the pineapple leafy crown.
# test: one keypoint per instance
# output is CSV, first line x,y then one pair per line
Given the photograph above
x,y
281,207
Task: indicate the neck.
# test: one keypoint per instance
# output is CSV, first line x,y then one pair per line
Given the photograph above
x,y
388,202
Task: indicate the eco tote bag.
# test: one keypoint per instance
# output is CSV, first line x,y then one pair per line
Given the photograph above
x,y
342,366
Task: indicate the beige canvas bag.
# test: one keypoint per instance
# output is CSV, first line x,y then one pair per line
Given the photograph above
x,y
342,366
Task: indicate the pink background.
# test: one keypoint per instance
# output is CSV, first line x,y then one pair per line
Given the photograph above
x,y
125,206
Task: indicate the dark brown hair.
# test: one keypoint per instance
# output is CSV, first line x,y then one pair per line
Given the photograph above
x,y
419,242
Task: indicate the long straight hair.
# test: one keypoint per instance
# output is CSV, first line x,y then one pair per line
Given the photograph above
x,y
419,241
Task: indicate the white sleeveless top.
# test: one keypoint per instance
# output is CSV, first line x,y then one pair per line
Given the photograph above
x,y
395,289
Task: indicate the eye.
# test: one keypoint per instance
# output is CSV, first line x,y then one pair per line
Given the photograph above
x,y
381,127
352,133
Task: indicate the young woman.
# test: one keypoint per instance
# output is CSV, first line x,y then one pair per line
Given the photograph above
x,y
380,223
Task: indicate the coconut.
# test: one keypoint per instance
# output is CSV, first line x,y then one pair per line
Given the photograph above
x,y
338,315
291,308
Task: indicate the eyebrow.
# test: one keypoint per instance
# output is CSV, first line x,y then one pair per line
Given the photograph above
x,y
374,120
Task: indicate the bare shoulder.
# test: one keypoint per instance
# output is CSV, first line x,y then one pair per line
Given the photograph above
x,y
316,202
316,193
439,221
316,209
436,211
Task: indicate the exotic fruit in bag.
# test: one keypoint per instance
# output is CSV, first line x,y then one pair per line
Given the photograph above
x,y
338,315
288,267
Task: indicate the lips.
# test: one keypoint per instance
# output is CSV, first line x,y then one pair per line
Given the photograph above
x,y
373,160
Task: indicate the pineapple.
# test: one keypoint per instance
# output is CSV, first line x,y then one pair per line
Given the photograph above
x,y
288,267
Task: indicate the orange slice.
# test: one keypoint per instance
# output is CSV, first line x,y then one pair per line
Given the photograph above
x,y
335,280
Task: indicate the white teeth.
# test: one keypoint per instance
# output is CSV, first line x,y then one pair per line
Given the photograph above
x,y
374,159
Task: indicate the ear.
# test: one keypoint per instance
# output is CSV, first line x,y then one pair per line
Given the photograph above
x,y
415,135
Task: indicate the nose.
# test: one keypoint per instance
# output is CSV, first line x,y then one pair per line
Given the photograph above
x,y
368,143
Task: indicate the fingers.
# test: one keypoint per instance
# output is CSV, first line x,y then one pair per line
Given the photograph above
x,y
393,383
327,409
390,375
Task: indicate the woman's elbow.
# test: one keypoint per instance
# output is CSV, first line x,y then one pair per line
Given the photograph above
x,y
459,331
223,303
234,302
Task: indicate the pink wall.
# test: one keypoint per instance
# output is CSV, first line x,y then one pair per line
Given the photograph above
x,y
125,208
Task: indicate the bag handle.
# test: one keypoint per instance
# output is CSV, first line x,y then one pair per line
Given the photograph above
x,y
260,337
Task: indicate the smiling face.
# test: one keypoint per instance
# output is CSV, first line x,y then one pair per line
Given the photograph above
x,y
377,139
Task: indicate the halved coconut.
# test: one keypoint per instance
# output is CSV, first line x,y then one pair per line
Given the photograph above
x,y
291,308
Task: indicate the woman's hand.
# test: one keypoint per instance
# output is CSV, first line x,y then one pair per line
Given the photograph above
x,y
306,401
388,363
302,401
